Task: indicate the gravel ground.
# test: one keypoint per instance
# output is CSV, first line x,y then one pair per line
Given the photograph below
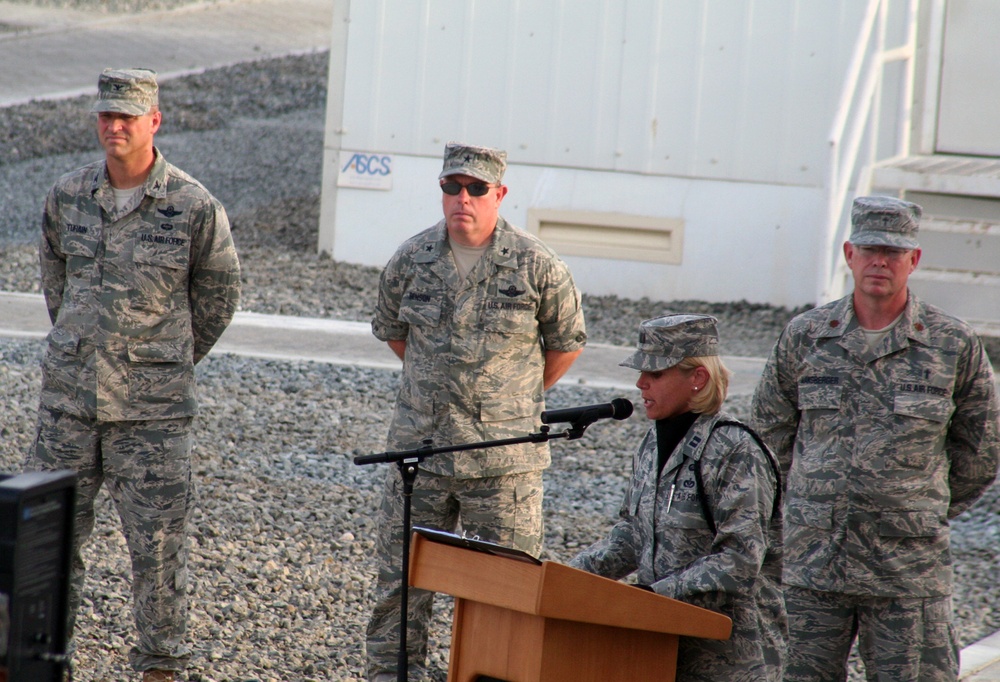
x,y
283,535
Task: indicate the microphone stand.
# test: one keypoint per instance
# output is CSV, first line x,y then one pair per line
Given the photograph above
x,y
408,462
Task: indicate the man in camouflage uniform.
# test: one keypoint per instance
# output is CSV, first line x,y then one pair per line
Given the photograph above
x,y
141,277
485,317
701,520
883,413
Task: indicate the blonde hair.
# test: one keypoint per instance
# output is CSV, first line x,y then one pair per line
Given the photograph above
x,y
709,400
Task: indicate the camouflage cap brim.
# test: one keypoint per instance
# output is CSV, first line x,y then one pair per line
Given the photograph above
x,y
879,238
646,362
471,171
119,106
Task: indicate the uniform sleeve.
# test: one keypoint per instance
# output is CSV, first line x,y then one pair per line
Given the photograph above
x,y
51,258
617,555
740,487
386,325
214,288
774,412
972,440
560,314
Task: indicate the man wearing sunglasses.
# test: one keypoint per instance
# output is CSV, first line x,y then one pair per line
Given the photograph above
x,y
883,413
485,317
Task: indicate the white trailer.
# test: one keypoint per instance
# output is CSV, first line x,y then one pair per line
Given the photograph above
x,y
674,149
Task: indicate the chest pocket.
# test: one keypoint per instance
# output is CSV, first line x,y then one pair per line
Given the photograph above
x,y
932,408
511,307
681,517
173,254
420,310
688,508
80,251
921,420
83,245
820,396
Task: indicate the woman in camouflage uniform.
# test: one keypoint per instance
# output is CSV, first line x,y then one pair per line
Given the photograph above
x,y
701,519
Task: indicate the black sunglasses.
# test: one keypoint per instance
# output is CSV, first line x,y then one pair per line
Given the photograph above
x,y
475,189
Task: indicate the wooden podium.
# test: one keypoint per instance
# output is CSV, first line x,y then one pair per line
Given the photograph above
x,y
523,622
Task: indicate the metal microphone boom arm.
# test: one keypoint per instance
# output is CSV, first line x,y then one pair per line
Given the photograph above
x,y
408,462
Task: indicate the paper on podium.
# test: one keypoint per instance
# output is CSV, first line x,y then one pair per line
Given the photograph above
x,y
475,544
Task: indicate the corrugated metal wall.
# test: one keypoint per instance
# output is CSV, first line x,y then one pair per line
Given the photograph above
x,y
718,89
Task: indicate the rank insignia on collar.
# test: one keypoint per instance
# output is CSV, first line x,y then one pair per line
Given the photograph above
x,y
511,291
169,211
429,248
505,251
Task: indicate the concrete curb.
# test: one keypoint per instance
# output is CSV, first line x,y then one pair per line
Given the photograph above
x,y
981,661
351,343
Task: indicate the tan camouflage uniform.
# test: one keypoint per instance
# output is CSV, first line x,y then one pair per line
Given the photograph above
x,y
475,353
669,545
879,450
136,297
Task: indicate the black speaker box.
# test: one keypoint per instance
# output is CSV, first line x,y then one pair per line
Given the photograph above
x,y
36,540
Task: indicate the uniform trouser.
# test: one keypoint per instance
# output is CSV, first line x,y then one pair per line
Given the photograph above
x,y
506,510
898,638
146,466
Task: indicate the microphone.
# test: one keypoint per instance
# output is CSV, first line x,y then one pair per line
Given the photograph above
x,y
619,408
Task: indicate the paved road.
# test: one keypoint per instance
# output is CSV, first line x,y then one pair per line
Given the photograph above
x,y
352,343
49,53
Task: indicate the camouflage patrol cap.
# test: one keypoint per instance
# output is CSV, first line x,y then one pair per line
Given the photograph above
x,y
884,221
126,91
482,163
665,341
